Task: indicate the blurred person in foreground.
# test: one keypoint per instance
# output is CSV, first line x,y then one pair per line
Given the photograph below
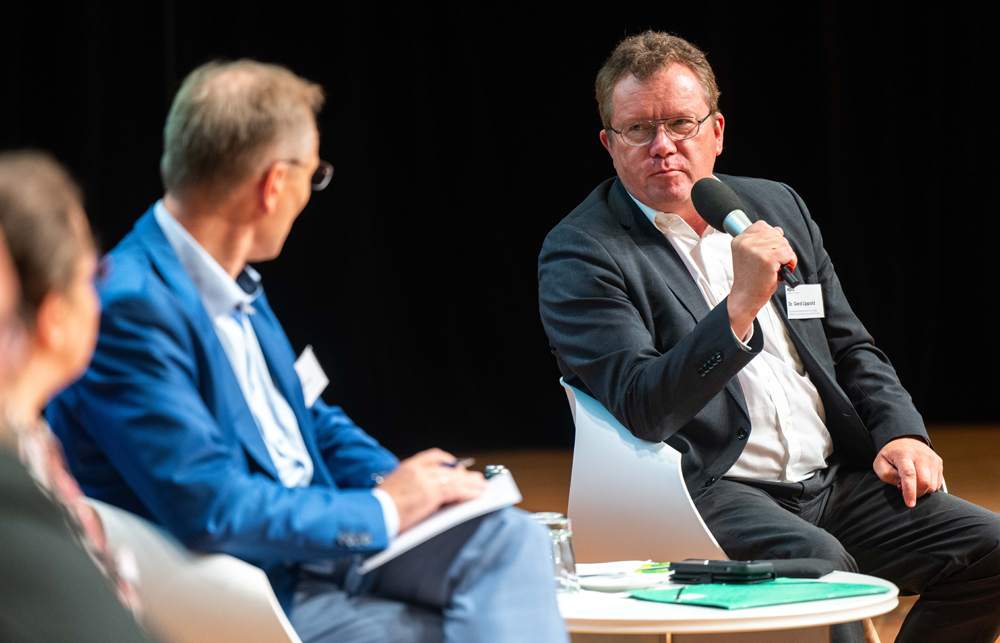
x,y
798,439
192,413
52,548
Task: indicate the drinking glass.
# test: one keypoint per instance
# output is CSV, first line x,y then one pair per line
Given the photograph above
x,y
563,558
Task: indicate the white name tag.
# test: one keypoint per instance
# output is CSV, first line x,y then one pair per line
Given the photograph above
x,y
804,302
311,375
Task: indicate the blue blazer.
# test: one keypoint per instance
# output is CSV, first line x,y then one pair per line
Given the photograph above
x,y
158,425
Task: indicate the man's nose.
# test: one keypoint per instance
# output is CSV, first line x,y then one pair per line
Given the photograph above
x,y
661,145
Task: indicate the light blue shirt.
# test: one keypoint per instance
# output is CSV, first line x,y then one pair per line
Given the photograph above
x,y
229,304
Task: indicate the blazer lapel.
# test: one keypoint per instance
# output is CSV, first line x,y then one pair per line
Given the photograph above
x,y
658,250
661,253
280,362
230,407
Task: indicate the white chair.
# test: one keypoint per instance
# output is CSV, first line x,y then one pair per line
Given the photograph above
x,y
627,497
195,598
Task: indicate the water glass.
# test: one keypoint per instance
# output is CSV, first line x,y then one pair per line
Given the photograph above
x,y
563,557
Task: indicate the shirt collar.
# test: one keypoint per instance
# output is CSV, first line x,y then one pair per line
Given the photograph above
x,y
671,219
220,293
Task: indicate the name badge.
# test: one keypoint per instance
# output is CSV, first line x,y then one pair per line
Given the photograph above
x,y
311,375
804,302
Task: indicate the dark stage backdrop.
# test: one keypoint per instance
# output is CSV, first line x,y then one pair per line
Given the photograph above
x,y
461,137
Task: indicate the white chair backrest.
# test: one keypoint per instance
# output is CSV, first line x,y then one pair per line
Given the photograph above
x,y
627,497
195,598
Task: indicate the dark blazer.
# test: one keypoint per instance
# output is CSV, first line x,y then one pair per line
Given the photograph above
x,y
50,589
628,324
158,425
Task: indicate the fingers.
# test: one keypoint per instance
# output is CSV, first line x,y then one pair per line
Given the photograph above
x,y
912,466
432,457
760,251
885,471
423,483
758,254
923,479
908,481
437,474
462,485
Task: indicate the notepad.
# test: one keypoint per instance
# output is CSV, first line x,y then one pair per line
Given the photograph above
x,y
501,491
777,592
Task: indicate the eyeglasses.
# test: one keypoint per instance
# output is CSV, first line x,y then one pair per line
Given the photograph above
x,y
321,177
679,128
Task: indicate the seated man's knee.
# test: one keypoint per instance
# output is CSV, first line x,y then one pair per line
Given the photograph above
x,y
824,547
519,528
982,545
841,560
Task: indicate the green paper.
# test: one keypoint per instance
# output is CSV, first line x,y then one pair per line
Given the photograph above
x,y
777,592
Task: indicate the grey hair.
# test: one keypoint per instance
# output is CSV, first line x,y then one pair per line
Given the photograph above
x,y
642,56
225,119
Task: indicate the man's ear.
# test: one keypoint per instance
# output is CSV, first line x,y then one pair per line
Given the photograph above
x,y
717,130
605,141
50,323
273,185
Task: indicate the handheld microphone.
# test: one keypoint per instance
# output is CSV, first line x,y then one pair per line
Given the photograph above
x,y
722,209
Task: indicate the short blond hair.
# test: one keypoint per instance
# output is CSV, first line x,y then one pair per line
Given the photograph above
x,y
227,116
642,56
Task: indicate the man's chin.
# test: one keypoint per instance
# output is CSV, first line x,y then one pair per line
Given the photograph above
x,y
668,200
265,255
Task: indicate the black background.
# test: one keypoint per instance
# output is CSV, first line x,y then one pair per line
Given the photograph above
x,y
461,136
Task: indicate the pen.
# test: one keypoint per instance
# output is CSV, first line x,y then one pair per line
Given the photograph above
x,y
464,462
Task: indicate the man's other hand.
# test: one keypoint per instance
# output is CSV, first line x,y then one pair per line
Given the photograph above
x,y
758,254
912,466
422,484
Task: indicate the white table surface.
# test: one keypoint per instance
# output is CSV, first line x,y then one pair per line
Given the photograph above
x,y
589,611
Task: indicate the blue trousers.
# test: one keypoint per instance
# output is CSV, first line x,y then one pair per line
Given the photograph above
x,y
486,580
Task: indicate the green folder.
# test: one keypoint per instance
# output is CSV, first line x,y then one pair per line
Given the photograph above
x,y
776,592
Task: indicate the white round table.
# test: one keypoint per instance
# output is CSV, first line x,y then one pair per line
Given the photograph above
x,y
614,614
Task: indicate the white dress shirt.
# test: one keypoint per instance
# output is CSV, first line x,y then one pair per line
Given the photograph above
x,y
229,304
788,440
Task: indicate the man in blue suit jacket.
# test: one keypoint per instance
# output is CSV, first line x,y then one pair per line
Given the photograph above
x,y
192,413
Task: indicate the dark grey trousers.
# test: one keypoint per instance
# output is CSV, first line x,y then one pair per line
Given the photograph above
x,y
945,549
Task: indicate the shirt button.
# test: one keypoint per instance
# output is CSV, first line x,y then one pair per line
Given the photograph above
x,y
741,434
710,481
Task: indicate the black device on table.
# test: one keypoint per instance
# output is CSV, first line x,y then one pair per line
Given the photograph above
x,y
739,572
745,572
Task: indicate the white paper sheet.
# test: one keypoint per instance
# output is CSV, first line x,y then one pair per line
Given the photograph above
x,y
616,567
500,492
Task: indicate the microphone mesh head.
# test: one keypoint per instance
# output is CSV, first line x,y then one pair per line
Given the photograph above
x,y
714,200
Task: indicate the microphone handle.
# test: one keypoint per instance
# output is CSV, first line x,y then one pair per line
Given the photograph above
x,y
787,276
735,223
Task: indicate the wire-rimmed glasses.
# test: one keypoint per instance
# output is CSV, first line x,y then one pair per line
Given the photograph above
x,y
321,177
678,128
